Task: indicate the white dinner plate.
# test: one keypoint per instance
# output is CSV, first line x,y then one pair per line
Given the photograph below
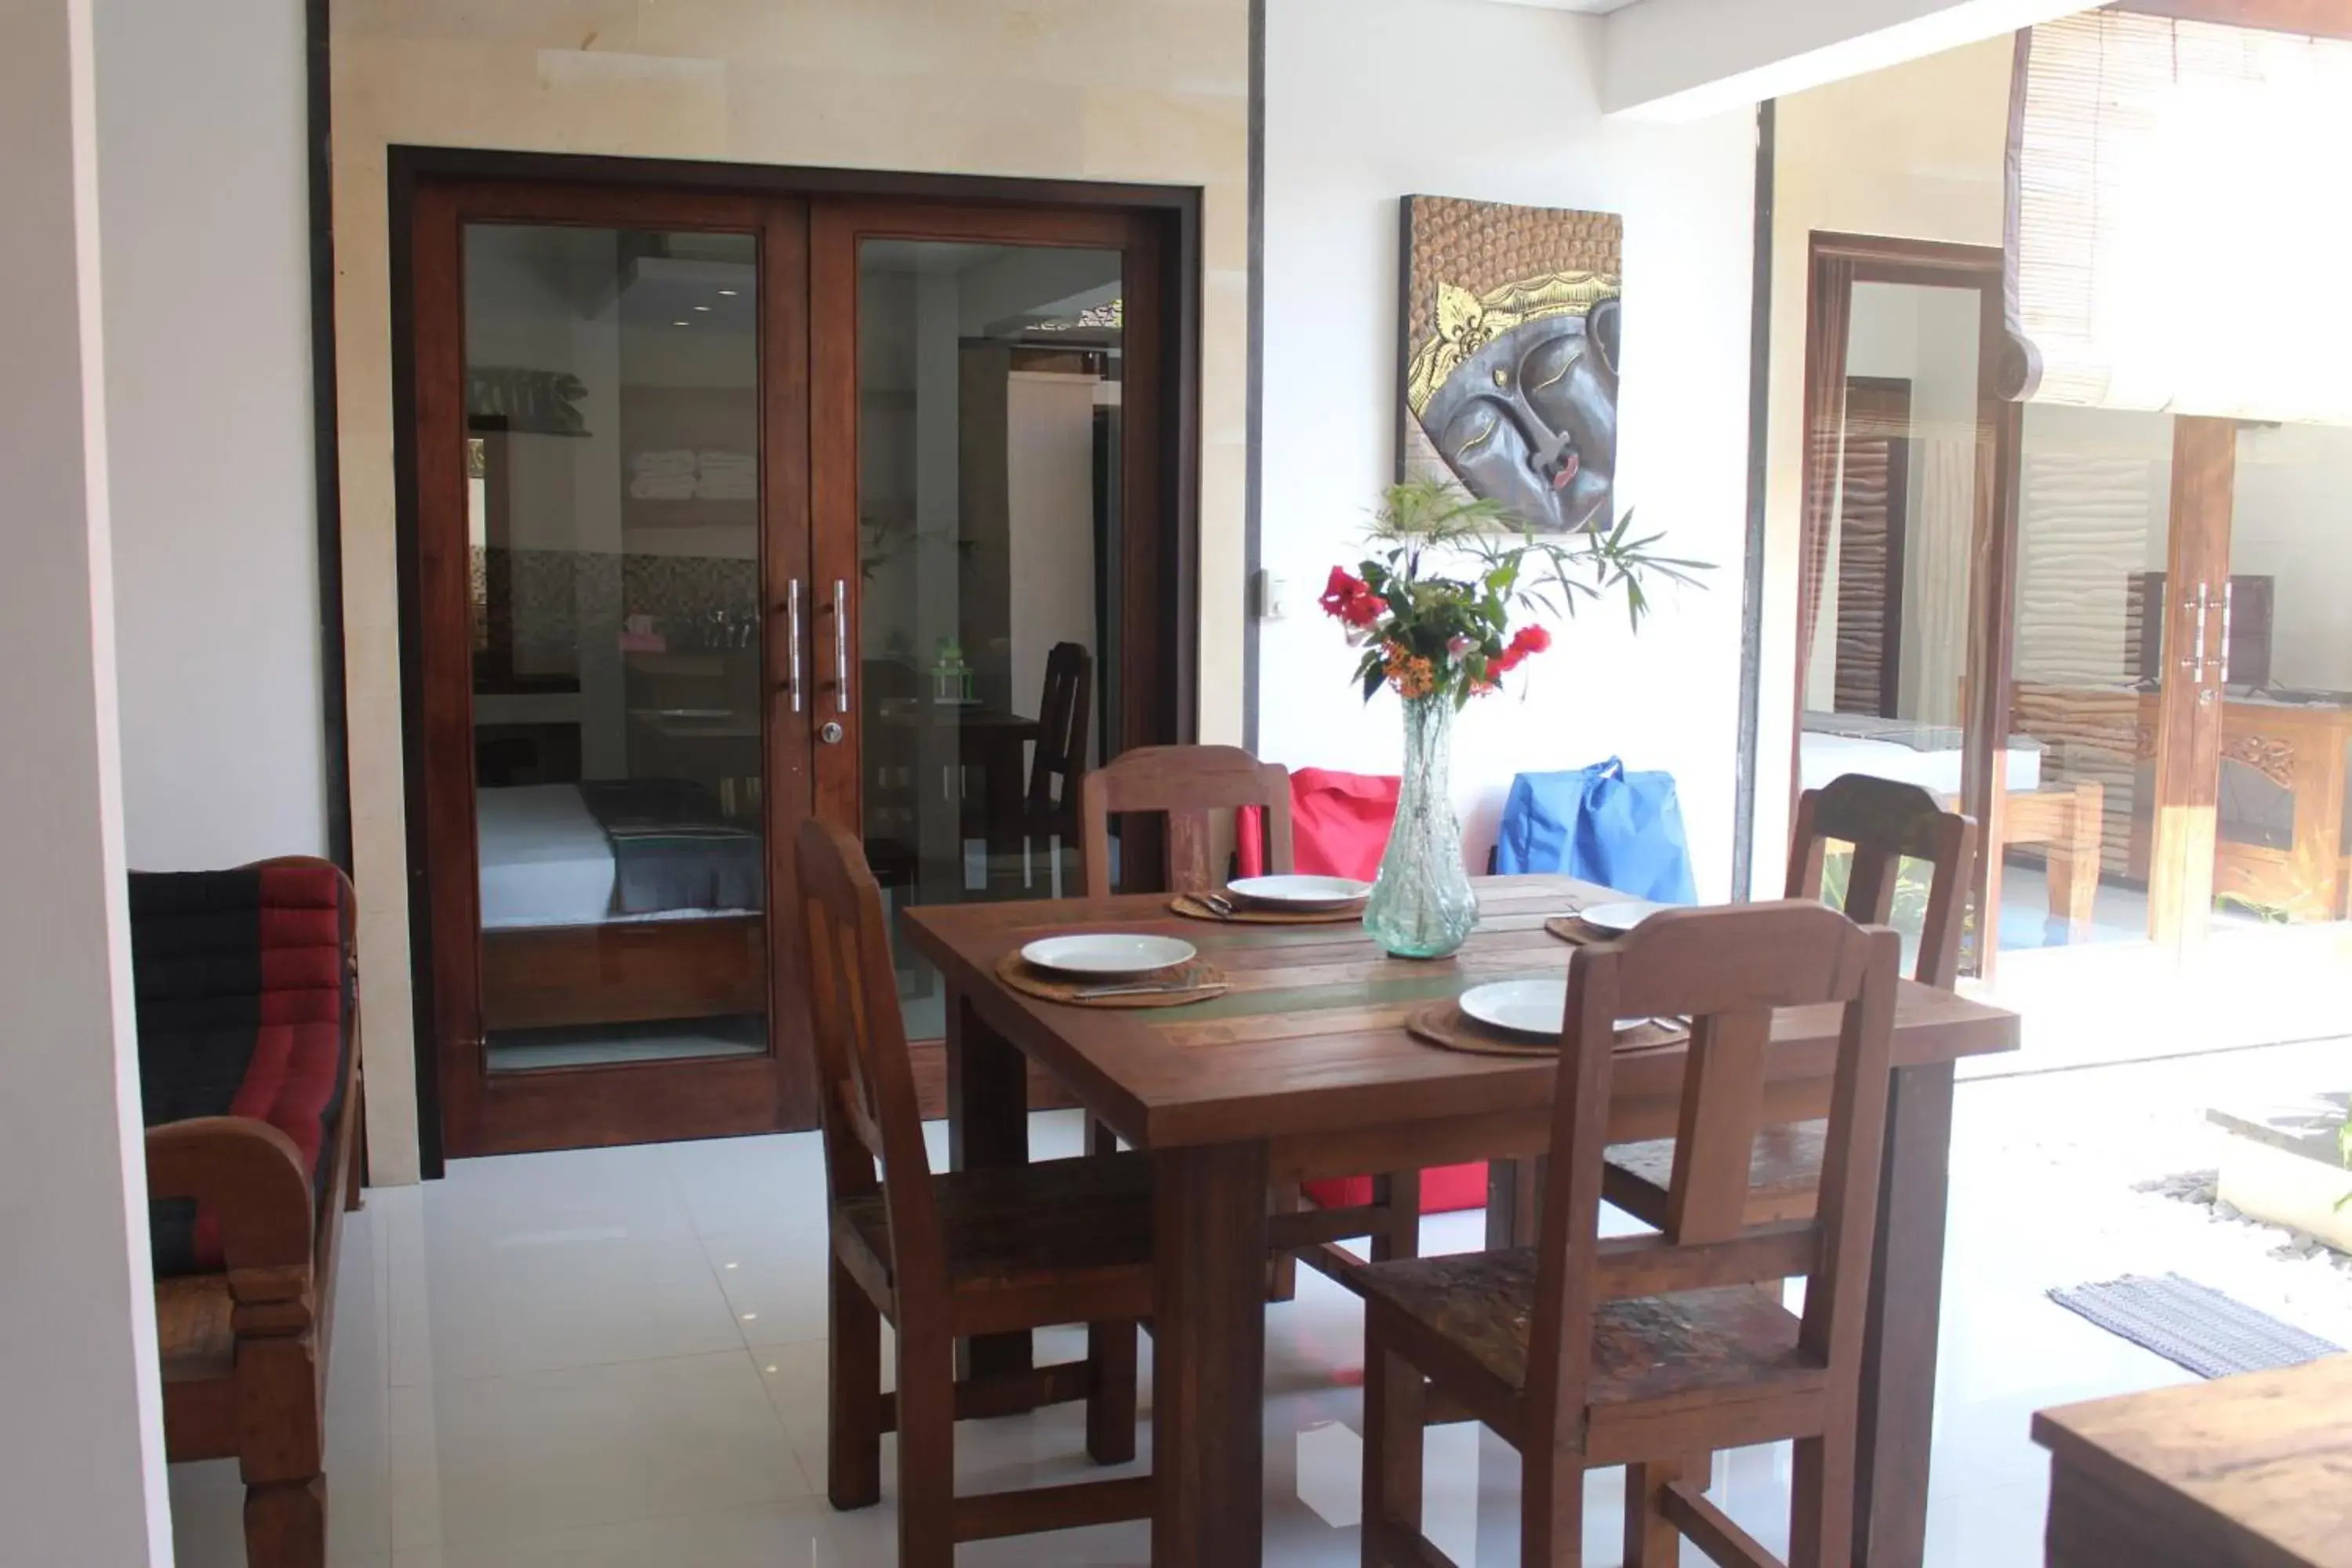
x,y
1300,892
1620,917
1524,1007
1109,955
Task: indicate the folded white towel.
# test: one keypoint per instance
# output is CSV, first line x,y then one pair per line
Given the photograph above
x,y
660,465
727,486
717,460
662,487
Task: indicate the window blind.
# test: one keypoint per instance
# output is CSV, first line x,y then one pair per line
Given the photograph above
x,y
2180,219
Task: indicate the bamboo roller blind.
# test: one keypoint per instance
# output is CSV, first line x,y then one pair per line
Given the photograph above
x,y
2180,219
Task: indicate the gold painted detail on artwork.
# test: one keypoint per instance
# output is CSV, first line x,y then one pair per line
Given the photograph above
x,y
1467,323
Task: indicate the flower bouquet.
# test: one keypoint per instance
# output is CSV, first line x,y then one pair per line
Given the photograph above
x,y
1433,606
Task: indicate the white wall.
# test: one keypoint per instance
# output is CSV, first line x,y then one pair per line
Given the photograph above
x,y
1346,137
81,1447
203,200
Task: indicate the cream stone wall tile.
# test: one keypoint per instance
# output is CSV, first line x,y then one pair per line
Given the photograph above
x,y
1225,477
648,105
1174,136
576,24
1224,356
856,119
1224,226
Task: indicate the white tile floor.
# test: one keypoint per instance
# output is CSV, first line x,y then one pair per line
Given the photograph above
x,y
617,1357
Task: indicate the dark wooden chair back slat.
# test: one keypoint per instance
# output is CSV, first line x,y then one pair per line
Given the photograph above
x,y
1728,970
1062,721
866,1079
1188,785
1885,822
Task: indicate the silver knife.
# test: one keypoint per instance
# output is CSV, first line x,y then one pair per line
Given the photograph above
x,y
1162,988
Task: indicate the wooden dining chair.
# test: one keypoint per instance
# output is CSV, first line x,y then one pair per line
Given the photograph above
x,y
1189,787
1050,810
946,1257
1885,822
1643,1351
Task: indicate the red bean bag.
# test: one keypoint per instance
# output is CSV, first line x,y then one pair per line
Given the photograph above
x,y
1339,826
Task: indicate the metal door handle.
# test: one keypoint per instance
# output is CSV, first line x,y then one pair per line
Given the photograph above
x,y
2195,663
841,645
2229,592
792,638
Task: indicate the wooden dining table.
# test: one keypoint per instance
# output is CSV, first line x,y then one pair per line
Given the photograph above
x,y
1304,1069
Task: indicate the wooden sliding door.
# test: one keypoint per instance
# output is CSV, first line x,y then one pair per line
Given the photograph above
x,y
610,460
721,507
1905,556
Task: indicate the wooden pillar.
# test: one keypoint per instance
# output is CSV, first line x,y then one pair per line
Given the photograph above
x,y
2189,704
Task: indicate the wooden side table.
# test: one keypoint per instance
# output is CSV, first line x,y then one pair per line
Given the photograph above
x,y
2246,1472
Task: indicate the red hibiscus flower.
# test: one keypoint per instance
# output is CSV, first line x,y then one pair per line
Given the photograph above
x,y
1524,641
1351,600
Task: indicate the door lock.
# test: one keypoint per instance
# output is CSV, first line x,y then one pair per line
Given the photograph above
x,y
830,733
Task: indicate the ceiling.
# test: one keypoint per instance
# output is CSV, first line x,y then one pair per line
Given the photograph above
x,y
1589,8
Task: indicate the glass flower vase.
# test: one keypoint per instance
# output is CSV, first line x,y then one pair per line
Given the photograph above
x,y
1422,905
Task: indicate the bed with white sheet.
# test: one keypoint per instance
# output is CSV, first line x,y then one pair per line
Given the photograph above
x,y
557,950
547,862
1834,744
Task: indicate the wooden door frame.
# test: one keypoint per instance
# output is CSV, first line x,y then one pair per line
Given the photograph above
x,y
1838,262
618,1102
1162,661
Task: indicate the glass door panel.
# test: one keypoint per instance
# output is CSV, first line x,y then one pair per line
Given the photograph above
x,y
613,421
2280,645
1885,679
2089,663
987,502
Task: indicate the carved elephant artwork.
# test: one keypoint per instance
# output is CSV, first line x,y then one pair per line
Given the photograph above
x,y
1528,419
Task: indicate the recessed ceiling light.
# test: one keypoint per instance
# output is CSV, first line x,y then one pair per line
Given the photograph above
x,y
702,307
730,293
681,323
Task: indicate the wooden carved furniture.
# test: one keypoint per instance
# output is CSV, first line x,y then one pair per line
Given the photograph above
x,y
1885,822
1644,1350
944,1257
1304,1069
2247,1471
2111,732
248,1051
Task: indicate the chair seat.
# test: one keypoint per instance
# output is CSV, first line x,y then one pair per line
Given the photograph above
x,y
1646,1349
1059,1221
1784,1174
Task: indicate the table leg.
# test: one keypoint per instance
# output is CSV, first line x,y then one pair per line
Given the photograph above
x,y
1906,1285
988,1126
1208,1342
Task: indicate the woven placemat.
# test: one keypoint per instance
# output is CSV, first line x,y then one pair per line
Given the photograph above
x,y
2192,1325
1194,908
1443,1024
1202,979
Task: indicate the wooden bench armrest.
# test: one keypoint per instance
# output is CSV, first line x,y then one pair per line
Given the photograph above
x,y
250,1175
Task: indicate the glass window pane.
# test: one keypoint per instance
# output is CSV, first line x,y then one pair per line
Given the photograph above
x,y
613,429
988,381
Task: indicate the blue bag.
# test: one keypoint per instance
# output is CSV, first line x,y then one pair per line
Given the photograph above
x,y
1600,825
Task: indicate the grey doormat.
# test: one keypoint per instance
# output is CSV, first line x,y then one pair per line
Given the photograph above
x,y
2193,1326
